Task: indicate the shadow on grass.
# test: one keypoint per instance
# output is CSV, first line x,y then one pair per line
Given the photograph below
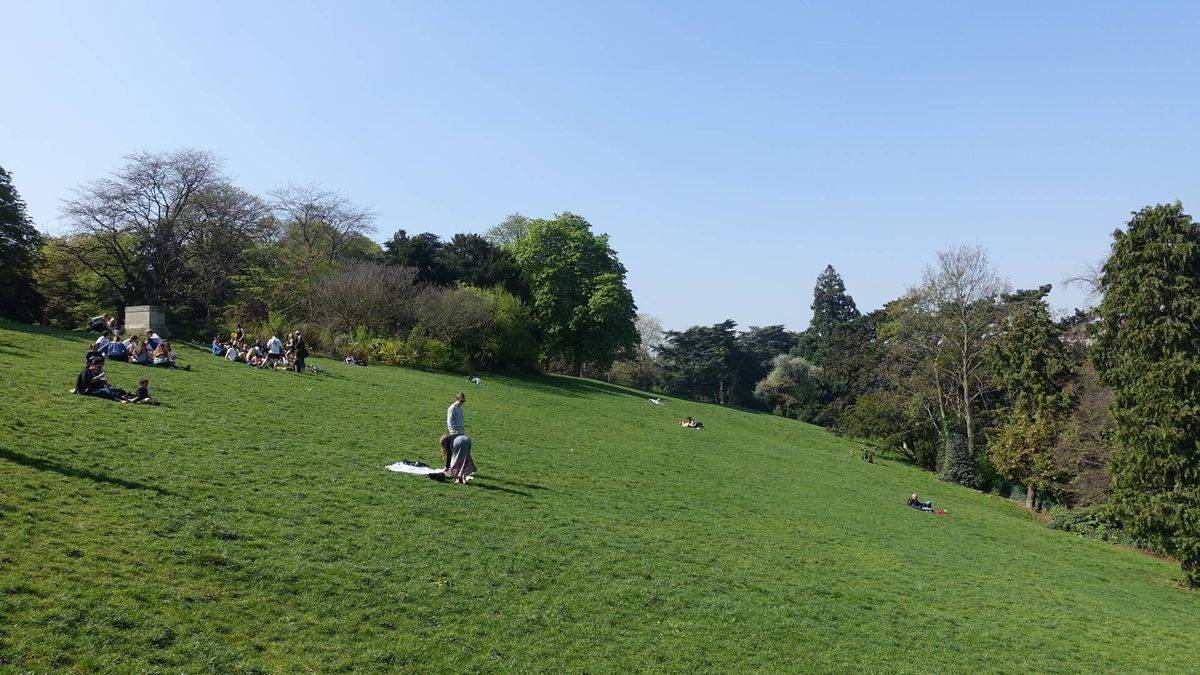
x,y
528,486
46,331
72,472
571,386
478,483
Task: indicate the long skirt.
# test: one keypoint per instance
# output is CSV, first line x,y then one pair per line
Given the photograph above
x,y
461,464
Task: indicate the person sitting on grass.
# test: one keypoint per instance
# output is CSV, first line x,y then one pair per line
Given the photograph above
x,y
140,354
164,356
351,360
93,382
218,347
130,342
115,351
100,324
232,353
142,395
153,340
690,424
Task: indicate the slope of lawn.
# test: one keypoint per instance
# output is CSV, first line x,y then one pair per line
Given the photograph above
x,y
248,524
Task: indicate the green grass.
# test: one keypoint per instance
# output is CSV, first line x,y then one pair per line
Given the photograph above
x,y
248,524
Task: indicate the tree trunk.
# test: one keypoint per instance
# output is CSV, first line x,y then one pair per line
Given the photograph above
x,y
579,363
1030,496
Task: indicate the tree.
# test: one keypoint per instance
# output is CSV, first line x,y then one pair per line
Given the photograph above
x,y
141,221
757,349
942,335
793,388
422,252
231,226
19,244
701,362
831,306
472,260
1147,348
511,230
319,229
581,306
377,298
1034,371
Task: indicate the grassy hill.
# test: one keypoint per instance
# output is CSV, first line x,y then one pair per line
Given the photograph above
x,y
248,524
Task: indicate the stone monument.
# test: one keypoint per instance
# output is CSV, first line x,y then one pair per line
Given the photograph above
x,y
142,318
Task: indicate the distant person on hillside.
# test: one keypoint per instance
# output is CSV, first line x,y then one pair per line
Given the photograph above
x,y
238,334
691,424
100,324
140,354
153,340
915,502
218,348
115,351
142,395
92,382
301,351
274,350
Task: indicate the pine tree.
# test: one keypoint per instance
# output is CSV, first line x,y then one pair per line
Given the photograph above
x,y
1148,349
831,305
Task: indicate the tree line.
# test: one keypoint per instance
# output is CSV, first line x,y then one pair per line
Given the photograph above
x,y
961,374
1096,413
172,229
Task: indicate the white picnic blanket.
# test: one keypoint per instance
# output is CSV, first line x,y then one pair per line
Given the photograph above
x,y
401,467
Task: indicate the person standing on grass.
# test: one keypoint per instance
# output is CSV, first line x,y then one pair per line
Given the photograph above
x,y
274,349
454,427
301,352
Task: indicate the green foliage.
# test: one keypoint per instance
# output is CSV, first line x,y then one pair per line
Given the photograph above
x,y
831,306
1148,349
701,362
1091,523
507,343
19,244
957,464
247,525
581,306
1033,368
793,388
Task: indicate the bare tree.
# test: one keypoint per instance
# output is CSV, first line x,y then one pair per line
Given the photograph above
x,y
322,222
450,314
231,227
139,218
946,326
376,297
650,332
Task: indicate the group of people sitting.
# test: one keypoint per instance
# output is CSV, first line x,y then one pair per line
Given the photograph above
x,y
272,353
93,382
152,351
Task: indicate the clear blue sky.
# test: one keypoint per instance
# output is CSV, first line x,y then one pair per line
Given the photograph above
x,y
730,150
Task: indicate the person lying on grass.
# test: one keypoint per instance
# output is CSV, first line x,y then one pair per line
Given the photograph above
x,y
915,502
691,424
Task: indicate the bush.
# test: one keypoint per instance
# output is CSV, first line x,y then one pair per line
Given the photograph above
x,y
1090,522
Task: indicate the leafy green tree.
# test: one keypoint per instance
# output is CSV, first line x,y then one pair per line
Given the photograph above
x,y
793,388
19,243
581,306
422,252
509,231
702,362
1148,349
472,260
1033,369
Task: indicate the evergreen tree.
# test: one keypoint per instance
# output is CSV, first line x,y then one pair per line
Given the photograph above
x,y
1033,369
1148,349
831,306
19,242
